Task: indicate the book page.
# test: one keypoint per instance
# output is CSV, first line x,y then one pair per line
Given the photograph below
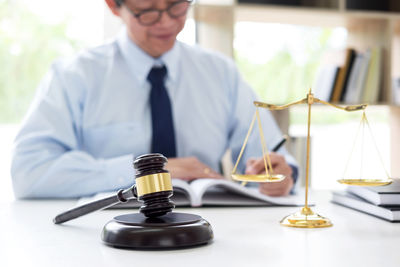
x,y
212,192
183,193
225,193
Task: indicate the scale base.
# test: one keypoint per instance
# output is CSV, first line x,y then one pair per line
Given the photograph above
x,y
306,218
170,231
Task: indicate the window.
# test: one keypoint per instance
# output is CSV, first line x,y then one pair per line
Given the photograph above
x,y
33,33
280,60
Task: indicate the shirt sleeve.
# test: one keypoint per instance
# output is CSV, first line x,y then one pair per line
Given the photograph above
x,y
48,159
243,111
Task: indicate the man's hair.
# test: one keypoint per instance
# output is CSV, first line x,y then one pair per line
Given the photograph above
x,y
119,2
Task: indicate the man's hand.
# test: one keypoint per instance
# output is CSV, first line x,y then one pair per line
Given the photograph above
x,y
190,168
279,166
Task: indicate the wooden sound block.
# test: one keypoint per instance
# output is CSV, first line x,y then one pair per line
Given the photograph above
x,y
173,230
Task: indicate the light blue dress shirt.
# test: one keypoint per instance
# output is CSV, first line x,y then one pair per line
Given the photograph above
x,y
91,117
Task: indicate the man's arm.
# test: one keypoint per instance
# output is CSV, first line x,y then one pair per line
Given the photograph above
x,y
48,159
190,168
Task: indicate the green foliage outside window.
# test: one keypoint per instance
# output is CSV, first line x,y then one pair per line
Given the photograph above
x,y
27,48
281,80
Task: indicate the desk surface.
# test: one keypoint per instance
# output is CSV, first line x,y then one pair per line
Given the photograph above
x,y
243,237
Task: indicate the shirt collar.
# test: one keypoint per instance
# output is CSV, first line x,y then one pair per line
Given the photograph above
x,y
140,63
171,61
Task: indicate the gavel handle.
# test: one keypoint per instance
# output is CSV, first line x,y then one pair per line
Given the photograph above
x,y
120,197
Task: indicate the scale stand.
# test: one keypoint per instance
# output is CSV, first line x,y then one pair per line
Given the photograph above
x,y
305,218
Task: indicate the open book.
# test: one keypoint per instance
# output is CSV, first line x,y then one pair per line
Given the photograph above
x,y
213,192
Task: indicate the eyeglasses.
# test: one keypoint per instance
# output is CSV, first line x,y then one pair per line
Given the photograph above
x,y
152,16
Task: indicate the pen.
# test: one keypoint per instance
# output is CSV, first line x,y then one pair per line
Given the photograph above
x,y
278,146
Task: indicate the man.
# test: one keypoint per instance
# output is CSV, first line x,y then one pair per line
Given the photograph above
x,y
144,92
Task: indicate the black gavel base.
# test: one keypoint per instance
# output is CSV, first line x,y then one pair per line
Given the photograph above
x,y
173,230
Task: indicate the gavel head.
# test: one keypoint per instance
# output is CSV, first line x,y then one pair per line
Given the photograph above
x,y
153,185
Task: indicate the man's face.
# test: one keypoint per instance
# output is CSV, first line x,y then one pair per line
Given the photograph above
x,y
155,39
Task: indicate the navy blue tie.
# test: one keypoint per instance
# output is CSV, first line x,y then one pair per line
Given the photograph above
x,y
163,140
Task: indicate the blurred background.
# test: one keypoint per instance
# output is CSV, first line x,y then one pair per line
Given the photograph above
x,y
280,58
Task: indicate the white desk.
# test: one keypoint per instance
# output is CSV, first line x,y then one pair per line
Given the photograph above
x,y
243,237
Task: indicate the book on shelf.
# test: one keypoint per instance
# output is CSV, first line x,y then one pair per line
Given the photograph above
x,y
389,213
358,76
325,81
371,5
374,77
343,76
396,90
212,192
378,195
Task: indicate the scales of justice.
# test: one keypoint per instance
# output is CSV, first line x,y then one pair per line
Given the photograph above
x,y
305,218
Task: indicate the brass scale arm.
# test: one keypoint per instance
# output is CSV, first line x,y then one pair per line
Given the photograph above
x,y
305,101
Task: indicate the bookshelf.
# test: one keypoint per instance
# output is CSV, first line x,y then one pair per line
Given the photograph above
x,y
370,23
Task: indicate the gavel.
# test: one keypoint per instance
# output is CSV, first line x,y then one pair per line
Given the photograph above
x,y
155,227
153,187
